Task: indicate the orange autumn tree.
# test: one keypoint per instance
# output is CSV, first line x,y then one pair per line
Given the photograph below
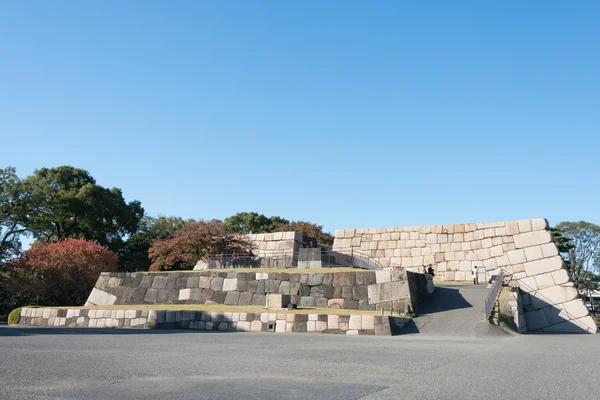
x,y
308,229
64,272
193,242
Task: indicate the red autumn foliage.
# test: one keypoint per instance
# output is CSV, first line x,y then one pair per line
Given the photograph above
x,y
194,242
61,273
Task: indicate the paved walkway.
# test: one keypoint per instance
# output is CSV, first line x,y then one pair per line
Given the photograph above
x,y
454,310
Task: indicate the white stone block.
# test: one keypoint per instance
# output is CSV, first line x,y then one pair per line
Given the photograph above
x,y
549,250
544,280
130,314
575,308
229,284
539,224
262,275
524,225
100,297
561,276
355,322
333,321
533,253
532,239
555,295
320,326
517,256
383,276
184,294
542,266
279,326
490,264
465,266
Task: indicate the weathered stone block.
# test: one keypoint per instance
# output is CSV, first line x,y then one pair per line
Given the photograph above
x,y
216,285
344,279
544,280
360,292
532,239
272,285
315,279
230,284
543,266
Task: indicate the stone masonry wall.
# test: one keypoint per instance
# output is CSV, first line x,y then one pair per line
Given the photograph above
x,y
522,248
362,290
215,321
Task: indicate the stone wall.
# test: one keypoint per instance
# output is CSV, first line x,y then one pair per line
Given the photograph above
x,y
216,321
523,248
362,290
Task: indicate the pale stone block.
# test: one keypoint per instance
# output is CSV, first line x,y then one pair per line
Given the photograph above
x,y
549,250
184,294
490,264
356,241
508,247
244,326
470,227
465,246
352,332
333,321
130,314
530,239
483,254
355,322
280,326
415,252
100,323
445,247
465,266
512,227
425,229
262,275
478,234
448,228
462,276
471,256
368,322
343,243
544,281
407,262
460,256
404,235
420,242
575,308
539,224
230,284
459,228
533,253
435,248
100,297
411,243
487,243
489,232
455,246
453,265
120,314
560,276
496,251
525,225
502,261
91,323
476,245
544,265
383,276
458,238
417,260
517,256
255,326
556,295
500,231
450,275
428,260
436,229
441,267
497,241
277,235
468,237
443,238
46,313
450,256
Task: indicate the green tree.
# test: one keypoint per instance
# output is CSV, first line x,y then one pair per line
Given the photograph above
x,y
133,256
579,243
252,222
15,207
69,204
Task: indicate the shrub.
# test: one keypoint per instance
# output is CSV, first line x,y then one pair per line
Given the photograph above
x,y
61,273
15,316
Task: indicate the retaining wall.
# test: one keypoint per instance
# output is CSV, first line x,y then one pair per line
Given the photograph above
x,y
362,290
215,321
522,248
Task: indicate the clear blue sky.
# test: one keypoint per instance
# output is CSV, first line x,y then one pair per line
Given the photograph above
x,y
349,114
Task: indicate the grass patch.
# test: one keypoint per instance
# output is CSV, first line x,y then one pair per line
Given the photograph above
x,y
503,315
15,316
272,270
225,308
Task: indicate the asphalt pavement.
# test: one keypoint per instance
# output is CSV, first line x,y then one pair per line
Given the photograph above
x,y
55,363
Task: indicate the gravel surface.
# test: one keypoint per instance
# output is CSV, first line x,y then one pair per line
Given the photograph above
x,y
49,363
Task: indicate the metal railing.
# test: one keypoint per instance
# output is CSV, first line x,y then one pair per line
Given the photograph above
x,y
293,259
493,294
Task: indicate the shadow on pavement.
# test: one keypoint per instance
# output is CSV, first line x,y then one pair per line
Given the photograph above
x,y
33,331
443,299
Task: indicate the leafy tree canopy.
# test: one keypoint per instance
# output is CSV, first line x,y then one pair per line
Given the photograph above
x,y
69,204
579,243
15,206
309,229
194,242
252,222
134,254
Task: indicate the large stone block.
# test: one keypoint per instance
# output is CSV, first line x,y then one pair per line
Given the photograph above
x,y
315,279
536,320
216,285
553,296
344,278
230,284
543,266
100,297
535,238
